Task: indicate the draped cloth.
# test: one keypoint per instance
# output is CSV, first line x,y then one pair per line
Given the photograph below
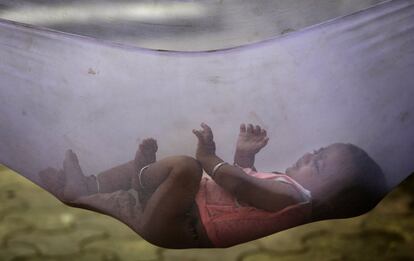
x,y
346,80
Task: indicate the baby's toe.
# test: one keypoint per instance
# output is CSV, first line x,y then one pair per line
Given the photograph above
x,y
71,163
149,145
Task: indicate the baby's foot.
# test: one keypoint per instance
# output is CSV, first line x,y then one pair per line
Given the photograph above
x,y
206,146
53,181
76,183
251,140
146,154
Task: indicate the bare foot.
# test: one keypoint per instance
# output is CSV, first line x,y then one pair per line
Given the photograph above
x,y
76,184
146,154
206,146
53,180
251,140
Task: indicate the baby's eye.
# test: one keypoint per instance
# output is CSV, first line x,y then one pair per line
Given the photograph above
x,y
320,164
317,164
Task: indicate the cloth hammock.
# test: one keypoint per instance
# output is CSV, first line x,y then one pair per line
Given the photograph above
x,y
347,80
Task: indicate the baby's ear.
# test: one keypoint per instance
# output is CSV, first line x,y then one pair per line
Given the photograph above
x,y
354,201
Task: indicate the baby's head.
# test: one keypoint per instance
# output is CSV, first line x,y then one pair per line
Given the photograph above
x,y
343,179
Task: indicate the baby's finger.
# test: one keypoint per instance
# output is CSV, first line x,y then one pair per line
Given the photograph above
x,y
258,130
207,129
263,133
265,141
242,128
250,128
198,134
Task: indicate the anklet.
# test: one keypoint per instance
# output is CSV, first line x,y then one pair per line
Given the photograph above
x,y
139,176
97,184
216,168
237,165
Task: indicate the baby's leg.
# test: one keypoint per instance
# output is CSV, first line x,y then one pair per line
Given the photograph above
x,y
53,181
122,176
172,184
70,183
120,205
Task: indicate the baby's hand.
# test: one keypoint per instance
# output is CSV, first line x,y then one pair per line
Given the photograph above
x,y
251,140
206,146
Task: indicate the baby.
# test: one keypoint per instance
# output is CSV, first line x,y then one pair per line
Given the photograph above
x,y
181,208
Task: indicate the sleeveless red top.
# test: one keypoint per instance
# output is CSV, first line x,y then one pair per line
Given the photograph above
x,y
228,222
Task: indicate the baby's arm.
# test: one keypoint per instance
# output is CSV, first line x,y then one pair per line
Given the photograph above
x,y
260,193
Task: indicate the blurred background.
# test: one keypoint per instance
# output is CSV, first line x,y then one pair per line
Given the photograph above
x,y
34,226
179,24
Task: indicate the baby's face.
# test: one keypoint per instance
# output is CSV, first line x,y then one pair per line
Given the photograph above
x,y
316,171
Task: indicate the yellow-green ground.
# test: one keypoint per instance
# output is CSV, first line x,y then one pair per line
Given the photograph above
x,y
35,226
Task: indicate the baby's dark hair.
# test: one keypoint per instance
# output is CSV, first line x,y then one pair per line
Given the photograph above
x,y
364,188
